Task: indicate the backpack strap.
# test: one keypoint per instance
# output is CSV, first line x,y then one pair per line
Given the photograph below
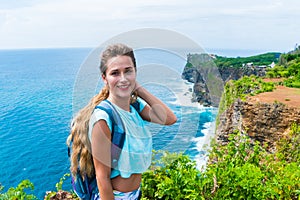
x,y
136,106
117,133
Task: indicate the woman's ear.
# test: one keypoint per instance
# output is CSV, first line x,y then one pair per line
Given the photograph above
x,y
104,78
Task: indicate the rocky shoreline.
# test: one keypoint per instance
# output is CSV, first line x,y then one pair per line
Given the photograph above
x,y
263,121
209,79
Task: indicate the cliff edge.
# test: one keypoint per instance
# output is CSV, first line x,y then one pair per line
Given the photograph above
x,y
265,117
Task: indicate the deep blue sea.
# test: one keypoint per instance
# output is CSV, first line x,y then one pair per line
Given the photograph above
x,y
41,89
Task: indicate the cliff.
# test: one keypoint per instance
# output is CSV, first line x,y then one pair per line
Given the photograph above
x,y
208,78
263,122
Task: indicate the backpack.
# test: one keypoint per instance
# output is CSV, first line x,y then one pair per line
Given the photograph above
x,y
87,188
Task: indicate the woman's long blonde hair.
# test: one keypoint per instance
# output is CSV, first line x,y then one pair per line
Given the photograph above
x,y
78,140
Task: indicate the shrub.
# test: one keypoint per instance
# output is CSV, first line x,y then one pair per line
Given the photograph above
x,y
174,177
242,169
60,193
19,192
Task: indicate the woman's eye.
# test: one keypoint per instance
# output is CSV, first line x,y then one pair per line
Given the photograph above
x,y
114,73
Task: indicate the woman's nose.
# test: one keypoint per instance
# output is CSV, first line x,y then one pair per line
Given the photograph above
x,y
123,77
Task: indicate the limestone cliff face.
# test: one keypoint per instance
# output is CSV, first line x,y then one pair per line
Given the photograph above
x,y
263,122
232,73
201,70
208,84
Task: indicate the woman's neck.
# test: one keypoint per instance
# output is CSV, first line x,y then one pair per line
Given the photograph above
x,y
123,103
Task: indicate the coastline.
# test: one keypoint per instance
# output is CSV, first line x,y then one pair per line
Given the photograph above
x,y
202,142
184,97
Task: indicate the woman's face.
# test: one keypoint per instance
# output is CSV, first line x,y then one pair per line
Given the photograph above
x,y
120,76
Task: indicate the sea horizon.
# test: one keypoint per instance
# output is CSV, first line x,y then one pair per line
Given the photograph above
x,y
226,52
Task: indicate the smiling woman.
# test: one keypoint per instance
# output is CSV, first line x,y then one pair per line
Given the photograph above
x,y
120,78
93,131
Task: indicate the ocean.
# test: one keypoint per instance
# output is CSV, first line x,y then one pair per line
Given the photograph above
x,y
41,89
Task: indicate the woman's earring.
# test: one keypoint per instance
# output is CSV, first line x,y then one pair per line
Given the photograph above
x,y
134,96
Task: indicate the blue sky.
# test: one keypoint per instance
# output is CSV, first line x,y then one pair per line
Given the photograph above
x,y
271,25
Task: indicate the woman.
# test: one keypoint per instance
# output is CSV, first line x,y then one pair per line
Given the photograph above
x,y
92,128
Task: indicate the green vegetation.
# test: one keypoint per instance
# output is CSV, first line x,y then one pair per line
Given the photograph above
x,y
258,60
288,68
18,193
239,170
21,192
174,176
242,169
246,171
241,88
60,193
188,65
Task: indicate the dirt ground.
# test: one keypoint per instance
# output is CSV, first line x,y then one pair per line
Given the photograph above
x,y
286,95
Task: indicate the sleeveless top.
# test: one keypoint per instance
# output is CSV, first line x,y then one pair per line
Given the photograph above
x,y
136,153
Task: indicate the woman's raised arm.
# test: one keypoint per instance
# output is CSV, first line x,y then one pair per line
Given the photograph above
x,y
156,111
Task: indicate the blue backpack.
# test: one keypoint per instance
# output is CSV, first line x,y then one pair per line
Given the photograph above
x,y
87,188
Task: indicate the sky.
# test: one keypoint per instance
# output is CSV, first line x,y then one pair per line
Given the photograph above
x,y
271,25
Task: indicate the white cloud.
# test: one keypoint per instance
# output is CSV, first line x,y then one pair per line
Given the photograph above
x,y
266,24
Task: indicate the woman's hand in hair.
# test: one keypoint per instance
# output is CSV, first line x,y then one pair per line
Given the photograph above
x,y
137,86
156,111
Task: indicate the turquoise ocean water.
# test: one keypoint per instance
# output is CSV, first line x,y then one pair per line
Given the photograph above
x,y
37,104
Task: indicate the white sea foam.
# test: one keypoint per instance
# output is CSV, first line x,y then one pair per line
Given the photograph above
x,y
184,98
203,144
185,94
